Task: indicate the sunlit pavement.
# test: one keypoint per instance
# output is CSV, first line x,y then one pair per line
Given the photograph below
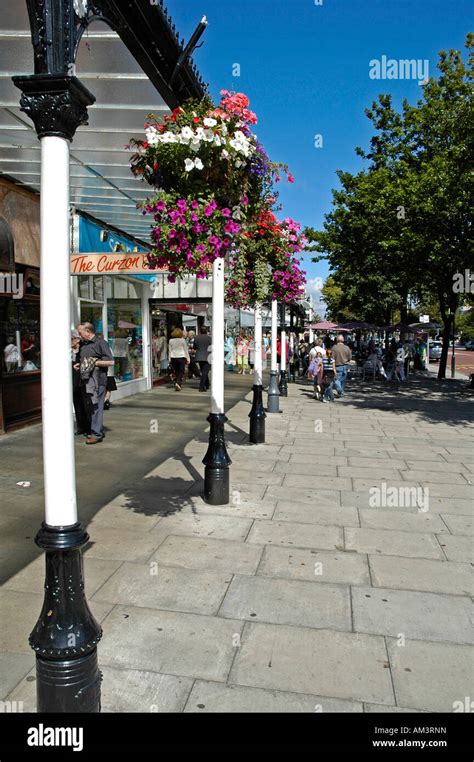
x,y
321,587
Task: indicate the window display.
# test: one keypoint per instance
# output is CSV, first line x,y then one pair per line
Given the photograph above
x,y
125,337
20,336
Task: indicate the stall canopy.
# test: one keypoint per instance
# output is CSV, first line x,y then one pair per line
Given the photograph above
x,y
325,325
128,80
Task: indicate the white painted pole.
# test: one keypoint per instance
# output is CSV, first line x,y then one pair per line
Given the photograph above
x,y
274,365
56,381
311,335
217,376
283,350
257,339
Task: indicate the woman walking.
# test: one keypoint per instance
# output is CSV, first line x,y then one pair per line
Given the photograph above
x,y
179,356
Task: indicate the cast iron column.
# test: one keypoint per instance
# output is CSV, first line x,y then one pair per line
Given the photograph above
x,y
273,390
66,635
216,460
257,414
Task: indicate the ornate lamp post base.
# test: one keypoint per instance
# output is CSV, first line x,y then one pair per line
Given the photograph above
x,y
217,462
257,417
273,393
66,634
283,384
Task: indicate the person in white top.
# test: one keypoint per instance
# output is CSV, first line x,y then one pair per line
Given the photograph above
x,y
315,349
179,356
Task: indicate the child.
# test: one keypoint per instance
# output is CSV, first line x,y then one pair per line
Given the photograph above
x,y
329,374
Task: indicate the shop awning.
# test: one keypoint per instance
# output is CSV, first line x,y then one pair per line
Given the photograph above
x,y
101,182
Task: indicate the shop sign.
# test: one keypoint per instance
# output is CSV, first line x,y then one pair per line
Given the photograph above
x,y
128,263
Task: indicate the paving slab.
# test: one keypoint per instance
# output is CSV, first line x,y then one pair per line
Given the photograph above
x,y
304,494
214,697
202,525
188,645
13,668
120,544
164,587
457,548
420,616
314,565
31,578
459,525
430,676
379,518
299,535
320,662
305,513
226,556
392,543
285,601
422,574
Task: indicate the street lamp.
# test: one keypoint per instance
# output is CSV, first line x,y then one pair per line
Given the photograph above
x,y
257,413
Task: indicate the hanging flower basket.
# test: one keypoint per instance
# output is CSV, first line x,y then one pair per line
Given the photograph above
x,y
210,173
265,266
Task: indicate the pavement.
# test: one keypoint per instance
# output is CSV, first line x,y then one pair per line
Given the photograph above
x,y
325,586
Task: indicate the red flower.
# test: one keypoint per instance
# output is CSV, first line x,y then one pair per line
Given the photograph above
x,y
291,179
145,144
196,120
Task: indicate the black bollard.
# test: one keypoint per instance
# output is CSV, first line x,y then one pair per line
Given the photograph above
x,y
217,462
257,416
283,384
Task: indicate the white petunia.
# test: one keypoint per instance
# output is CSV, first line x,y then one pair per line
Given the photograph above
x,y
225,154
189,165
198,163
187,133
152,136
208,136
209,122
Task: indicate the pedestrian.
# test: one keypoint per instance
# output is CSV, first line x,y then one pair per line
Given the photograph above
x,y
329,376
111,387
82,410
316,368
203,345
179,356
193,369
242,347
95,359
342,356
229,349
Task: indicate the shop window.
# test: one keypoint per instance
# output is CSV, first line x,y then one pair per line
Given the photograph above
x,y
98,287
20,336
125,336
84,286
93,313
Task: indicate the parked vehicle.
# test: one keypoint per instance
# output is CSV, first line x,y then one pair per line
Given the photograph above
x,y
436,348
469,345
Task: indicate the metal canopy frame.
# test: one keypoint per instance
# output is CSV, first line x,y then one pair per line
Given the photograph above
x,y
126,53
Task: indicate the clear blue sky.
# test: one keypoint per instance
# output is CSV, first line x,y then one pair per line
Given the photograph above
x,y
305,68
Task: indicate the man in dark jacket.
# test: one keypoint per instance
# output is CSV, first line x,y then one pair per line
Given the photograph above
x,y
202,345
99,350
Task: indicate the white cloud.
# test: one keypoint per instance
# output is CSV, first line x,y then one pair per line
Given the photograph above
x,y
313,288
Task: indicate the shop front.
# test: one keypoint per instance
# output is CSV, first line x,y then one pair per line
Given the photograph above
x,y
185,304
115,304
20,367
